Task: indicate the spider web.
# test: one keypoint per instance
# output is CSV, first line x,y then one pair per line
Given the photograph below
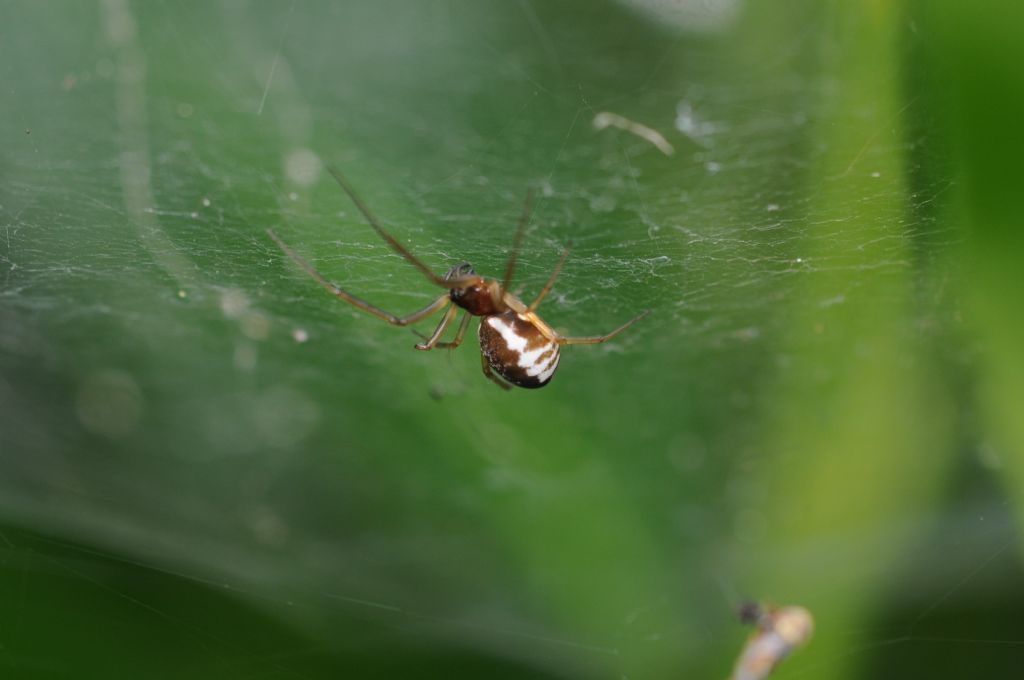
x,y
202,448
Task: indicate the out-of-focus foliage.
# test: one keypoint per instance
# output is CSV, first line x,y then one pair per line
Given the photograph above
x,y
209,467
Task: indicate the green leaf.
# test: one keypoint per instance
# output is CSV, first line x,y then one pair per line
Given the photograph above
x,y
210,466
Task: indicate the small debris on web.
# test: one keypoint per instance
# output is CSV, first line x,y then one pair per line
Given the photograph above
x,y
690,124
607,119
780,631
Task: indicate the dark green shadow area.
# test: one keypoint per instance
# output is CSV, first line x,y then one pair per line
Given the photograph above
x,y
73,611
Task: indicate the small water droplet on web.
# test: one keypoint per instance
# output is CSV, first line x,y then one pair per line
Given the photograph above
x,y
302,166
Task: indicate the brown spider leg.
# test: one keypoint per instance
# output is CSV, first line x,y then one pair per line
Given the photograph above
x,y
433,307
436,335
458,336
551,281
598,339
490,374
392,241
517,240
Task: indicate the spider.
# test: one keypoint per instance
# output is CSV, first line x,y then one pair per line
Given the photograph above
x,y
516,346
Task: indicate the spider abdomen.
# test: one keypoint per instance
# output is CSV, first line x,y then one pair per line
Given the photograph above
x,y
516,349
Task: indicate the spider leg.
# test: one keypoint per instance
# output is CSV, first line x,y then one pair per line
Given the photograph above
x,y
598,339
392,241
490,374
551,281
436,335
517,240
433,307
458,336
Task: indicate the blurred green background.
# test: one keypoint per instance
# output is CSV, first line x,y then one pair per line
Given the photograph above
x,y
211,468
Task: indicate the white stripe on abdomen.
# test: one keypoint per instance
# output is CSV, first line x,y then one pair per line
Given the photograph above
x,y
533,361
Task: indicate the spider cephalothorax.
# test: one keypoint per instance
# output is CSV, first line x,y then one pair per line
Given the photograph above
x,y
514,342
478,296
